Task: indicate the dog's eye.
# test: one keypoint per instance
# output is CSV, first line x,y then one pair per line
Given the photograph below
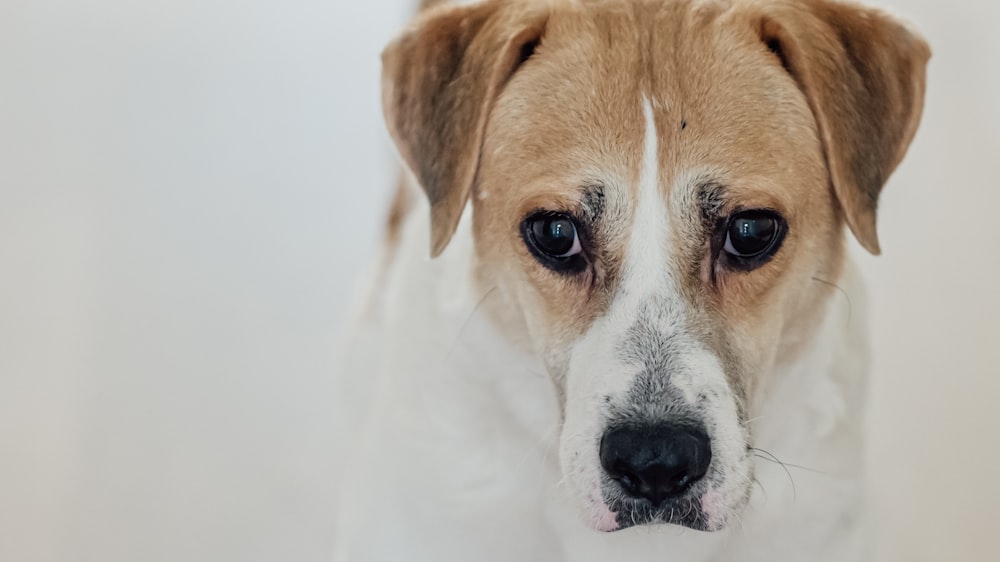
x,y
753,236
553,239
554,235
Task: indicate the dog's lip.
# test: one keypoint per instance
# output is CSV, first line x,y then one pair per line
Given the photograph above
x,y
692,519
607,519
685,512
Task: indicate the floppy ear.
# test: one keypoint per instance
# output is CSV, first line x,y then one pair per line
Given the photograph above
x,y
439,82
863,74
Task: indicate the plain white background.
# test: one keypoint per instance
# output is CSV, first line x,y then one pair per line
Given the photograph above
x,y
189,190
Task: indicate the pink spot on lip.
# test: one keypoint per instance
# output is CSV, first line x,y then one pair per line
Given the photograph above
x,y
713,504
607,520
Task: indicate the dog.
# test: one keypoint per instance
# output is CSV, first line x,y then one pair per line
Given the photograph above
x,y
640,336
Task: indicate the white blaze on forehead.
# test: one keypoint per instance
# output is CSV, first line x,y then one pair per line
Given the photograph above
x,y
645,272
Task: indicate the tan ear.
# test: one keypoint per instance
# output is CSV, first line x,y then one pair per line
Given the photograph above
x,y
439,82
863,73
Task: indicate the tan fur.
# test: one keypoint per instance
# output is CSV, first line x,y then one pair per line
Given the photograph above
x,y
813,132
864,75
428,4
440,80
402,203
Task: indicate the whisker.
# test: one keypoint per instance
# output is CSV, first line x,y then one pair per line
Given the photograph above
x,y
468,319
795,466
847,297
774,459
761,486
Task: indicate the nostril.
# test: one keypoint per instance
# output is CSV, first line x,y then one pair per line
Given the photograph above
x,y
655,462
630,479
627,480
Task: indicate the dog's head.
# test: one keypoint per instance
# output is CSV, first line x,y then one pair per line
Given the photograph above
x,y
657,186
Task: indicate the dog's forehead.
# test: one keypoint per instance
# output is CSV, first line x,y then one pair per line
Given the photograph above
x,y
574,114
630,98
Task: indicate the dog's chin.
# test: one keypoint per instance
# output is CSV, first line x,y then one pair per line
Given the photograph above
x,y
706,512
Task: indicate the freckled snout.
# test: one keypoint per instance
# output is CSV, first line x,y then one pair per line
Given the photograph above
x,y
655,462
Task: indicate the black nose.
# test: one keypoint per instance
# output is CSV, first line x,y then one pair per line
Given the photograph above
x,y
655,462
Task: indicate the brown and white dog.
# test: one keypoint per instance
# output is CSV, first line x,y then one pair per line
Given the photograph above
x,y
641,314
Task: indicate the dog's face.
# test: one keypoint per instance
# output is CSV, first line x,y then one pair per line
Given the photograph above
x,y
659,189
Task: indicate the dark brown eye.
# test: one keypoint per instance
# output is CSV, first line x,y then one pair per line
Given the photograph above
x,y
554,240
752,237
555,235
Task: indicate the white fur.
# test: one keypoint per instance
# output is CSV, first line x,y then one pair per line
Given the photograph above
x,y
454,450
595,370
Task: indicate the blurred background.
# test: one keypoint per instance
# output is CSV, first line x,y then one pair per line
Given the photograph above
x,y
189,192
